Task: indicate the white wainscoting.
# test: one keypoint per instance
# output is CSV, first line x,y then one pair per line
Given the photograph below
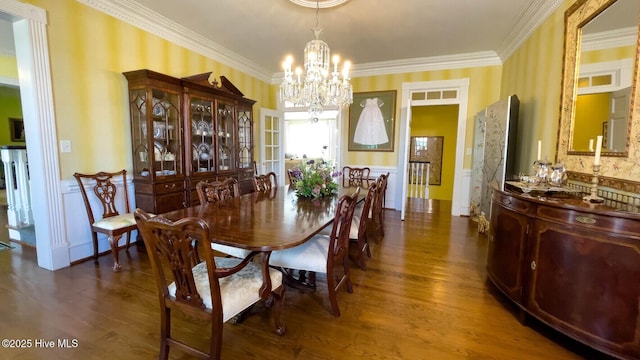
x,y
77,222
465,198
390,201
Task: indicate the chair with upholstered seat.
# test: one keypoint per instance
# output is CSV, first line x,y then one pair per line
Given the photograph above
x,y
353,176
323,254
110,222
264,183
360,227
216,289
215,192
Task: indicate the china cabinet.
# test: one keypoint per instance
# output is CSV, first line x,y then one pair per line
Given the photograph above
x,y
571,264
155,102
198,131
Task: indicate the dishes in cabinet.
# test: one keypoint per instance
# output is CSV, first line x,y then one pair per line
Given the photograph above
x,y
159,130
158,150
203,128
159,108
204,151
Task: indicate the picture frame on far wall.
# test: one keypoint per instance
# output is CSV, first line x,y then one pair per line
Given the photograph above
x,y
372,121
16,129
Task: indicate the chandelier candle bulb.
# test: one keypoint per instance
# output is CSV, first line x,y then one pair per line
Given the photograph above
x,y
596,160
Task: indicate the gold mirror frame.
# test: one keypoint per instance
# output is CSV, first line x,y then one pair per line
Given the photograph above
x,y
623,165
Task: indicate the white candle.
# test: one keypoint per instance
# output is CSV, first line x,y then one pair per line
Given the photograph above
x,y
539,149
590,144
596,161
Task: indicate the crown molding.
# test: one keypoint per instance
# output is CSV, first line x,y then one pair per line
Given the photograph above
x,y
322,4
537,13
433,63
147,20
610,39
22,10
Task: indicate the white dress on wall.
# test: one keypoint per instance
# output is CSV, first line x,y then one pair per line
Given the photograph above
x,y
370,129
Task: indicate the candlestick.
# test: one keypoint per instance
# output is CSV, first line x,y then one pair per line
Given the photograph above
x,y
593,196
596,160
590,144
539,149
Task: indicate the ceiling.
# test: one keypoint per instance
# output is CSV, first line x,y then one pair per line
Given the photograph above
x,y
363,31
369,33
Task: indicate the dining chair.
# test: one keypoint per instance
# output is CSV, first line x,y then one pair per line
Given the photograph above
x,y
360,227
353,176
104,218
215,192
293,175
379,203
216,289
266,182
323,254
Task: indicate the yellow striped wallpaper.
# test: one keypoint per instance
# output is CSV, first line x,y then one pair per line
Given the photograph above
x,y
89,51
534,73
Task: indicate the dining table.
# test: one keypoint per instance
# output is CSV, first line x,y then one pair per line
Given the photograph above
x,y
266,221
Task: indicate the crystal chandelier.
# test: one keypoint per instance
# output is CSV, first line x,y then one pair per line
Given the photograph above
x,y
318,87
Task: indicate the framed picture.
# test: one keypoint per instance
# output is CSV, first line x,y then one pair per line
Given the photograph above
x,y
372,121
426,149
16,128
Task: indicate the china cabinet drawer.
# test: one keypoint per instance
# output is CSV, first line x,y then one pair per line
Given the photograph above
x,y
170,187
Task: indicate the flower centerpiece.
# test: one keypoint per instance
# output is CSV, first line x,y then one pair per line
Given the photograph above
x,y
314,180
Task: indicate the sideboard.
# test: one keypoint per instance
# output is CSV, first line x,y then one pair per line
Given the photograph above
x,y
573,265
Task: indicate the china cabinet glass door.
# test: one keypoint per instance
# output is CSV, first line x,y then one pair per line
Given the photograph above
x,y
226,140
167,146
202,135
155,133
245,132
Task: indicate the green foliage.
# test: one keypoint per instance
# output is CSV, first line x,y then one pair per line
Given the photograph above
x,y
314,180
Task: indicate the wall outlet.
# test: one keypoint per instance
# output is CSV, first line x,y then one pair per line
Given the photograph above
x,y
65,146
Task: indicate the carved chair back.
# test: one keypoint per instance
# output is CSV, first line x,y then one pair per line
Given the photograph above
x,y
264,183
106,218
216,191
352,176
187,284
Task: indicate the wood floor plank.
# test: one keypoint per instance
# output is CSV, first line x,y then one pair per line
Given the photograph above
x,y
424,296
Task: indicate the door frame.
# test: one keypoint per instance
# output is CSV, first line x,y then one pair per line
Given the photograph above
x,y
36,95
461,86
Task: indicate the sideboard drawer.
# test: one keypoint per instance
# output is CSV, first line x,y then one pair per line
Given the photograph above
x,y
589,220
513,203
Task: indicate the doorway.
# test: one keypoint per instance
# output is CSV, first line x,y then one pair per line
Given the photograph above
x,y
445,92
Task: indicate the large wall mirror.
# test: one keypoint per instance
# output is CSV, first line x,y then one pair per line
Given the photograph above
x,y
599,92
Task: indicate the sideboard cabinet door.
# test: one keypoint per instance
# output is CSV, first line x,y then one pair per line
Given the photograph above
x,y
585,282
507,239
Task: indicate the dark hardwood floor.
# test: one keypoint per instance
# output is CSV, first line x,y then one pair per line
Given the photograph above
x,y
424,296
